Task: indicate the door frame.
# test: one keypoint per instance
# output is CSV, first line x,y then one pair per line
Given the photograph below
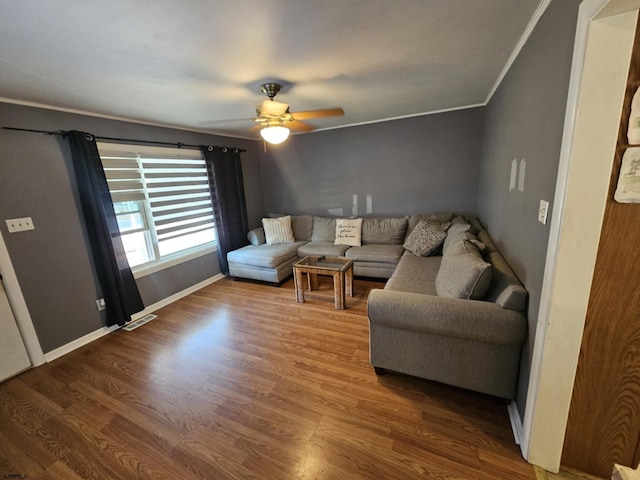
x,y
603,40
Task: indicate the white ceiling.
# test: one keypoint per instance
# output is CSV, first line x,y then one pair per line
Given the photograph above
x,y
181,63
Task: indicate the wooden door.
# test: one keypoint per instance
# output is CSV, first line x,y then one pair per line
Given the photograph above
x,y
604,418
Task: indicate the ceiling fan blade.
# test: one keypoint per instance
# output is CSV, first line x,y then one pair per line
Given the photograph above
x,y
325,112
299,126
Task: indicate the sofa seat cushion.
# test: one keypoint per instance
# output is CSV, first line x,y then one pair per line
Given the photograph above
x,y
322,248
264,256
415,274
376,253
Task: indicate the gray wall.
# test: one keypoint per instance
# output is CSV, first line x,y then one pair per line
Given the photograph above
x,y
524,119
52,262
416,165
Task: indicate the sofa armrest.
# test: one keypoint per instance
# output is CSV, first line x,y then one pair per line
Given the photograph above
x,y
256,236
470,319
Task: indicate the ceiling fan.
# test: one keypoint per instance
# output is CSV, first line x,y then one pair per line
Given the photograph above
x,y
275,120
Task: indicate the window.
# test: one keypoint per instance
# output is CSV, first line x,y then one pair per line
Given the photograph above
x,y
161,199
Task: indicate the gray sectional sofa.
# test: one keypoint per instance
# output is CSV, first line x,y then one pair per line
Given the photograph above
x,y
456,316
469,343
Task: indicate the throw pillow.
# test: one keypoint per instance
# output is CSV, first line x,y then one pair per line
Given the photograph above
x,y
426,237
463,273
278,230
348,232
300,224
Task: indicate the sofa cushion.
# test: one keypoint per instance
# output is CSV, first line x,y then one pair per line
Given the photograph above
x,y
278,230
376,253
324,229
415,274
387,230
264,256
349,232
463,273
425,239
322,248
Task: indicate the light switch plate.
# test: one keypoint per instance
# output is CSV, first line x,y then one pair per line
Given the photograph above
x,y
543,211
19,224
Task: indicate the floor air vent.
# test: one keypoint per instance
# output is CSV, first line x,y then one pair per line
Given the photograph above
x,y
138,323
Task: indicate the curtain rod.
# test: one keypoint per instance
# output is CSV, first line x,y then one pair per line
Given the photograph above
x,y
148,142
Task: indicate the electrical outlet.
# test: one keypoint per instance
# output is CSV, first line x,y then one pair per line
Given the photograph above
x,y
101,304
20,224
543,211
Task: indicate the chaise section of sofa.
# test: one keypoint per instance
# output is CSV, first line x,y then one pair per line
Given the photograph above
x,y
268,263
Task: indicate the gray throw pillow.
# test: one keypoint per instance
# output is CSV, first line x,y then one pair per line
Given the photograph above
x,y
463,273
426,237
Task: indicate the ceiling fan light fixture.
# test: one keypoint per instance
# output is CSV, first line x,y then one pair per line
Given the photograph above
x,y
275,134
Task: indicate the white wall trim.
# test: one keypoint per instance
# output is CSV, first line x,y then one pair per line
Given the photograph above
x,y
400,117
79,342
516,422
90,337
19,307
75,111
176,296
537,15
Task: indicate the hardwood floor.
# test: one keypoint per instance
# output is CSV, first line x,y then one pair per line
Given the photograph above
x,y
239,381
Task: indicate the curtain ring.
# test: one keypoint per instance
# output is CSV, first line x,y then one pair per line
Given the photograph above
x,y
235,150
224,149
210,148
89,137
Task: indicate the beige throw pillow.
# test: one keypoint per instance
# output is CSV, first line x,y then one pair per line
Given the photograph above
x,y
348,232
426,237
278,230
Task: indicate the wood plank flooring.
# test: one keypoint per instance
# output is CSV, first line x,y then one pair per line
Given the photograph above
x,y
238,381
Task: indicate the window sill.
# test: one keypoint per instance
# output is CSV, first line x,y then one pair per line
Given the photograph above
x,y
171,261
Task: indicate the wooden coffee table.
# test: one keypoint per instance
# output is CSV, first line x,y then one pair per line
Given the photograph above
x,y
340,268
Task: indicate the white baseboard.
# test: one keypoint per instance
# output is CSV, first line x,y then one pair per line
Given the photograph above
x,y
516,422
176,296
90,337
78,342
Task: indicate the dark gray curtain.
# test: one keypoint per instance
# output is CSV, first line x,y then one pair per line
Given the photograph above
x,y
119,287
227,194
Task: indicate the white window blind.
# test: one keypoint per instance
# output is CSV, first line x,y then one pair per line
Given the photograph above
x,y
161,194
